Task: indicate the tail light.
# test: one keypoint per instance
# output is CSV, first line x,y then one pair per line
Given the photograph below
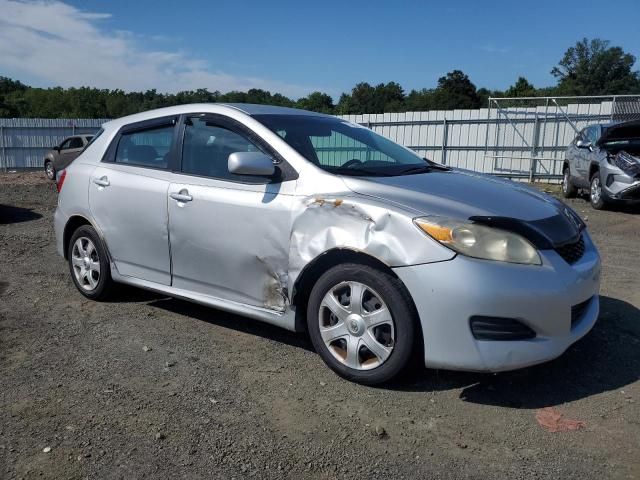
x,y
60,180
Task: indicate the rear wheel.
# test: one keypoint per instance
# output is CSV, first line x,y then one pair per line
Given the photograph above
x,y
568,189
49,170
89,265
362,323
596,195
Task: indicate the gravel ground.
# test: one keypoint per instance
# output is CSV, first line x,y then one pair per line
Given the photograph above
x,y
147,386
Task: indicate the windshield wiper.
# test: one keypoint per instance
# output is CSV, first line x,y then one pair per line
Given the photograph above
x,y
416,169
356,171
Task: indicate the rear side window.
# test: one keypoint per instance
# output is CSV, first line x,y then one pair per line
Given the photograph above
x,y
146,148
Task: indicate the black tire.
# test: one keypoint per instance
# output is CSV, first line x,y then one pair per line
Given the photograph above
x,y
569,190
397,299
105,284
49,172
598,202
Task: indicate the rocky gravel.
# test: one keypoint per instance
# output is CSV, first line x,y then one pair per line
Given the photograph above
x,y
146,386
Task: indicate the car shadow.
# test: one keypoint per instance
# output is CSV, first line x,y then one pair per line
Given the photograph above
x,y
10,214
233,322
608,358
620,207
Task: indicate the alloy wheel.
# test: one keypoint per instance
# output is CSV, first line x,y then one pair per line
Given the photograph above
x,y
86,263
48,169
596,190
356,326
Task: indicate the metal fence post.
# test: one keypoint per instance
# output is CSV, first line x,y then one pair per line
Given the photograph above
x,y
4,162
534,149
613,108
445,131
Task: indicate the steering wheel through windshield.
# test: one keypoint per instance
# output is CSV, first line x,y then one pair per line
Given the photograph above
x,y
351,163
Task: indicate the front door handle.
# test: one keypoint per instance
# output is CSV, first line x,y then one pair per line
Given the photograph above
x,y
102,181
182,196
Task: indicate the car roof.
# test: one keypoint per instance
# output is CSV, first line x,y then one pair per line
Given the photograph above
x,y
246,108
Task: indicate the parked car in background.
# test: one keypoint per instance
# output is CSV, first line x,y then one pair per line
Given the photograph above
x,y
62,155
605,160
310,222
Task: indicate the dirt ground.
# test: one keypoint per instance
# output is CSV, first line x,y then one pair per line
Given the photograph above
x,y
147,386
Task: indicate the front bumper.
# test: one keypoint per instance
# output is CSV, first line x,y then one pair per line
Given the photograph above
x,y
447,294
617,185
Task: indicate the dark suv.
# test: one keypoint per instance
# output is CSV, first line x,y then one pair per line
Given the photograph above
x,y
62,155
605,159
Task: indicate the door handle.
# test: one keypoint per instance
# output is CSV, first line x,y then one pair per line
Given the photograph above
x,y
102,181
182,196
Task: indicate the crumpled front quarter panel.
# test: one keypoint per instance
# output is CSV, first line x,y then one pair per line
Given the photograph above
x,y
344,219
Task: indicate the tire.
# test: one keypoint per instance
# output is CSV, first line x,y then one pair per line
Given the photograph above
x,y
596,194
91,277
49,170
568,189
348,354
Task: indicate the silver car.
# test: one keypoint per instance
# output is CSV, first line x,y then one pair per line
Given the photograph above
x,y
310,222
605,160
60,156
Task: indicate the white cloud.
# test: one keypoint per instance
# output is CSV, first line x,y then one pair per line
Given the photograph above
x,y
59,44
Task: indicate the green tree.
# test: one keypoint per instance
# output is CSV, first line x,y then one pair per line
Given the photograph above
x,y
316,102
592,67
365,98
522,88
455,90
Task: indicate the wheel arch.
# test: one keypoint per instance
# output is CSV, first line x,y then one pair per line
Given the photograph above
x,y
322,263
593,168
73,223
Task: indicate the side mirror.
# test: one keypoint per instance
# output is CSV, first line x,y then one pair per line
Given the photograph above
x,y
251,163
583,144
56,148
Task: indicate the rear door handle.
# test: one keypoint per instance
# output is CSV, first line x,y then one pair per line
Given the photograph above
x,y
182,196
102,181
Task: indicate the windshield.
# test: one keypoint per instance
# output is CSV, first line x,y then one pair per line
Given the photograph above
x,y
343,148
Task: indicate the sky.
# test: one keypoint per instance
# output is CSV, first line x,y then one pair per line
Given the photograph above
x,y
296,47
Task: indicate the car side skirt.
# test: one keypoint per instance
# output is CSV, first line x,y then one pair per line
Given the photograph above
x,y
284,319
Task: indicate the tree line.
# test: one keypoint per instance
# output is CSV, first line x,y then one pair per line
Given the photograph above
x,y
590,67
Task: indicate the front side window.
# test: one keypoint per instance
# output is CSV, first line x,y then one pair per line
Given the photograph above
x,y
75,142
592,134
146,148
207,146
65,145
342,147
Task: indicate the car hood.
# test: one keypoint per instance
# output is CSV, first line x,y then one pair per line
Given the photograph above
x,y
619,131
460,194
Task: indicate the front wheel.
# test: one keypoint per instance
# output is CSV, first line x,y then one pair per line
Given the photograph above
x,y
362,323
49,170
568,189
596,195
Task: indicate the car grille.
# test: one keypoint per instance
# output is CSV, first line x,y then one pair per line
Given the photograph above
x,y
577,312
572,252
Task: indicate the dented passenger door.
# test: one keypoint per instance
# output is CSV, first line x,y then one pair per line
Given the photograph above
x,y
229,233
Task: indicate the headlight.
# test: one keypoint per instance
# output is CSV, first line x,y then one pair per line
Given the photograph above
x,y
479,241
